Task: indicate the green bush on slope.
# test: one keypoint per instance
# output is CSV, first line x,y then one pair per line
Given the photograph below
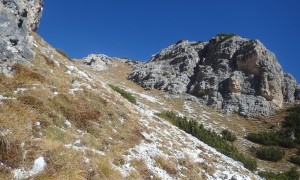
x,y
124,93
209,137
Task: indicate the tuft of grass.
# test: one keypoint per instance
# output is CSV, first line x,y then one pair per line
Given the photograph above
x,y
209,137
125,94
10,152
291,174
167,165
24,73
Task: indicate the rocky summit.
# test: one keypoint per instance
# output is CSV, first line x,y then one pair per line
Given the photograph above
x,y
17,19
229,72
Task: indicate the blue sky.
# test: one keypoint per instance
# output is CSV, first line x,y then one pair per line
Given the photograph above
x,y
139,28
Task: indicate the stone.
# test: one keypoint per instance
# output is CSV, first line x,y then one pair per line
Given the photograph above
x,y
297,93
229,72
17,19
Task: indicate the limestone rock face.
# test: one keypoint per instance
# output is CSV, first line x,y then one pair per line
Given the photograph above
x,y
17,19
171,69
98,62
297,93
27,12
228,72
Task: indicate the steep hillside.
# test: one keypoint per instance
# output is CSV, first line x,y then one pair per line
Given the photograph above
x,y
83,119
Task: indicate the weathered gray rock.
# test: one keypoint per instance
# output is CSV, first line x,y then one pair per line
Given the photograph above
x,y
228,72
171,69
98,62
297,93
17,19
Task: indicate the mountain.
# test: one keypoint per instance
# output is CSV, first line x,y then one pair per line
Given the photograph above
x,y
229,72
84,119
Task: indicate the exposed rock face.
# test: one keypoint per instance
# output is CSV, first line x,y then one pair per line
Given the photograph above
x,y
297,93
17,19
98,62
228,72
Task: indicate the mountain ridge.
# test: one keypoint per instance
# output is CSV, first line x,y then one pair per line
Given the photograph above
x,y
228,72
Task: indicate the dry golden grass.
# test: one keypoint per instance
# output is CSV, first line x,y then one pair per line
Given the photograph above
x,y
141,171
87,110
168,165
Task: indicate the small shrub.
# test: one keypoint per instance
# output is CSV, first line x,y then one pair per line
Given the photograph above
x,y
60,51
125,94
180,41
269,153
228,135
291,174
295,159
271,138
292,121
225,36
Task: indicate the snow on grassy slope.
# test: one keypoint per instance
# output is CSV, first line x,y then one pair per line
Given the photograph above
x,y
167,141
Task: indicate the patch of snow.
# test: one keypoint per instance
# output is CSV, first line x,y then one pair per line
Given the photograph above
x,y
4,132
4,98
72,70
188,108
167,141
20,90
149,98
78,146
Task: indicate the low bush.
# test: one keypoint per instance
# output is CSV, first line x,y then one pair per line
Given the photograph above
x,y
269,153
292,122
225,36
60,51
228,135
124,93
295,159
271,138
291,174
209,137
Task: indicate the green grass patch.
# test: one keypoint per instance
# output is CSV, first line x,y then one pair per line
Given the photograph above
x,y
209,137
291,174
125,94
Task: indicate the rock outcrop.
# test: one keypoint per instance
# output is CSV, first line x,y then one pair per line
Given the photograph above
x,y
17,19
228,72
98,62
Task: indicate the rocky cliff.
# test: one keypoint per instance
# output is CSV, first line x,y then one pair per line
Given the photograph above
x,y
228,72
17,19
